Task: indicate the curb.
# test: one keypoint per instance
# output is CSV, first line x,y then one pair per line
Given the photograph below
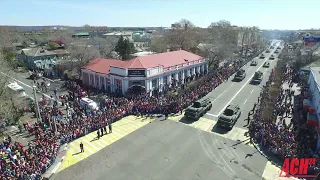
x,y
264,155
268,158
59,164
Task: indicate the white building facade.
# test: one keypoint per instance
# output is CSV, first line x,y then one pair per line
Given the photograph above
x,y
121,79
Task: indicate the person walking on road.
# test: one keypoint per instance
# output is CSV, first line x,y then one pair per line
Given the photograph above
x,y
110,128
81,148
98,134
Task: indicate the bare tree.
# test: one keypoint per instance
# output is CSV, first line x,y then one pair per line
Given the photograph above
x,y
65,35
222,41
182,35
105,45
158,44
81,55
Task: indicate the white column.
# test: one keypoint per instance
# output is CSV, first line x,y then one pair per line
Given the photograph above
x,y
161,83
207,68
198,69
169,79
125,85
147,85
182,76
176,76
193,71
112,86
105,82
188,72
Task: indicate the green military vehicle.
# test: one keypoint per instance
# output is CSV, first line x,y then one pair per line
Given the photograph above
x,y
229,116
198,109
257,78
240,75
272,57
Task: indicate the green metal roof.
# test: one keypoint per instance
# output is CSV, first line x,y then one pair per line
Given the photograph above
x,y
81,34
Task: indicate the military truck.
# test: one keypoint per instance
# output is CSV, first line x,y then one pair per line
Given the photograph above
x,y
272,57
262,56
254,63
198,109
240,75
229,116
257,78
266,65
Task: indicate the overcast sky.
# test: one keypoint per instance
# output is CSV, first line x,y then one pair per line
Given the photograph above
x,y
266,14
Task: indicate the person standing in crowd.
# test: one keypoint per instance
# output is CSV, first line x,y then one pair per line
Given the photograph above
x,y
81,148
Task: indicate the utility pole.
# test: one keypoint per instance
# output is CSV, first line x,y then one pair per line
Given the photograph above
x,y
36,103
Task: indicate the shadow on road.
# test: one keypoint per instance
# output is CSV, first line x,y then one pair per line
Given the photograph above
x,y
76,153
219,130
185,120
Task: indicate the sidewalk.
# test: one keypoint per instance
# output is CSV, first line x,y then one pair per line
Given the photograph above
x,y
59,159
274,164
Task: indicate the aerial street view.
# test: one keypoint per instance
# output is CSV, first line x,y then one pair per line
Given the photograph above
x,y
120,90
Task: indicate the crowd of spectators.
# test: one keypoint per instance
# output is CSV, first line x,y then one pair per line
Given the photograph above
x,y
295,139
18,162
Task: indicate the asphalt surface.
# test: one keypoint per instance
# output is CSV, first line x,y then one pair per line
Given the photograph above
x,y
27,84
172,151
241,93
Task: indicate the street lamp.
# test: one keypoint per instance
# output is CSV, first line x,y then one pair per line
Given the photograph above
x,y
36,102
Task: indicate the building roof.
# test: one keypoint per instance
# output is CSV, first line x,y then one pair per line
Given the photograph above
x,y
37,52
125,33
101,65
167,59
81,34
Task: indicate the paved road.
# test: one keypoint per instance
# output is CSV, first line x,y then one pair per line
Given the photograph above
x,y
172,150
242,93
22,80
169,150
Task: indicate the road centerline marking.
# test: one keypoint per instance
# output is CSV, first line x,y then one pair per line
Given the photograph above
x,y
245,101
241,88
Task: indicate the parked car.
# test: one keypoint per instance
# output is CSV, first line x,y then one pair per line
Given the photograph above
x,y
240,75
254,63
229,117
267,51
266,65
262,56
276,51
271,47
198,109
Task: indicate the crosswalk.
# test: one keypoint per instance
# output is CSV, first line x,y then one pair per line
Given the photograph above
x,y
91,145
205,124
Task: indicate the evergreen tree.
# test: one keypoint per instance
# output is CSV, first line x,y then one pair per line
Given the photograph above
x,y
124,48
